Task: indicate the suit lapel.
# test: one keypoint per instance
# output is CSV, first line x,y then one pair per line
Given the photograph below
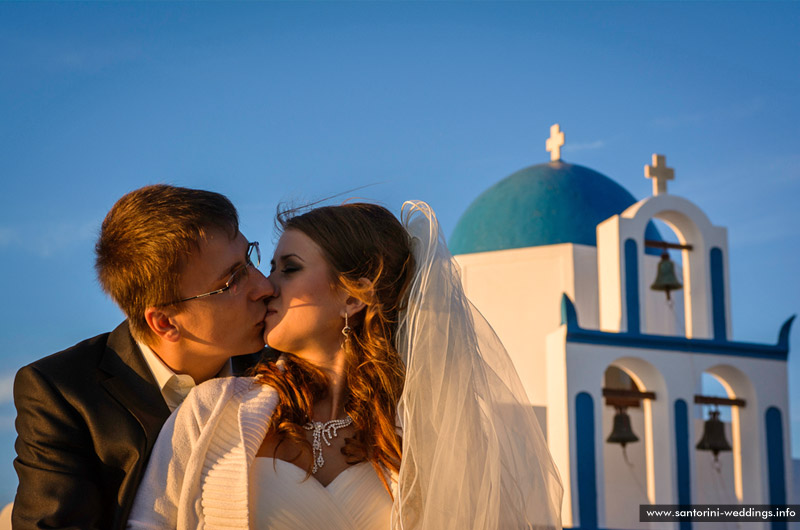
x,y
132,384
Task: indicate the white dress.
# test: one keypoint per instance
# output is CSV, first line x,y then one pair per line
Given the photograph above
x,y
281,498
204,473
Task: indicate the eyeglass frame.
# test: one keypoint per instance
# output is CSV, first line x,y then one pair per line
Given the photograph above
x,y
248,262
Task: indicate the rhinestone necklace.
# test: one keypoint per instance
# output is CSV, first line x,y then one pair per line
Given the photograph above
x,y
324,432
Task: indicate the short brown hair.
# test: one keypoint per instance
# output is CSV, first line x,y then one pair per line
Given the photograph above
x,y
145,240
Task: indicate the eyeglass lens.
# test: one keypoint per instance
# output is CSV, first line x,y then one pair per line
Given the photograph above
x,y
254,247
239,277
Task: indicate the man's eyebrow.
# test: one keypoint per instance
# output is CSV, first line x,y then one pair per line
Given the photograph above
x,y
227,273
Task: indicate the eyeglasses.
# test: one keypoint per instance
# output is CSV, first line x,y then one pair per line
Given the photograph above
x,y
239,276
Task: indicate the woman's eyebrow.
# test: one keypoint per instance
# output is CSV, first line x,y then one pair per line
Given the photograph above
x,y
285,257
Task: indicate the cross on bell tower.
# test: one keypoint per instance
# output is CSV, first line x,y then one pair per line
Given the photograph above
x,y
555,142
660,173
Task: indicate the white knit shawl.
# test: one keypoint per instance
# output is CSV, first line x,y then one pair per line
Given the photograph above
x,y
197,476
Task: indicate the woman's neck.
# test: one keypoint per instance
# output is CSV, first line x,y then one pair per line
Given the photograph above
x,y
334,367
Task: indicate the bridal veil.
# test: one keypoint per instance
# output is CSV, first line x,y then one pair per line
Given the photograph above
x,y
473,453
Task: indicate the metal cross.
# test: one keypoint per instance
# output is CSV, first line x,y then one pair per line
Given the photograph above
x,y
555,142
660,173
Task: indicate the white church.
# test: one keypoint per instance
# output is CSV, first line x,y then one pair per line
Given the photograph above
x,y
613,343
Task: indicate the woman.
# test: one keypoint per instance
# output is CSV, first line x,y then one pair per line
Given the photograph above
x,y
394,393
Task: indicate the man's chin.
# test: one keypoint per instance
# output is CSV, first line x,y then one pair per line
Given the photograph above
x,y
254,347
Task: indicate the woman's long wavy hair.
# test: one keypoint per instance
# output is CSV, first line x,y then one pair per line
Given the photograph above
x,y
358,240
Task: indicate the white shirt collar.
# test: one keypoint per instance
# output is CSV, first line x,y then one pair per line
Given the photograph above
x,y
173,387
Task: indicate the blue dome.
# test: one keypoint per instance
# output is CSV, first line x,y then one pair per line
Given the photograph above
x,y
544,204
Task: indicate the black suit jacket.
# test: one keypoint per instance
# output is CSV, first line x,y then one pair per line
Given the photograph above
x,y
87,419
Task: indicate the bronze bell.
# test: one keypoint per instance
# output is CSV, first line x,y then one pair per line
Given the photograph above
x,y
714,436
666,279
622,433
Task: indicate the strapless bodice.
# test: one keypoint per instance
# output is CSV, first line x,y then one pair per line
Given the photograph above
x,y
281,499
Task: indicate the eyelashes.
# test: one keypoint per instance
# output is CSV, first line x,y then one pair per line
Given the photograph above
x,y
287,269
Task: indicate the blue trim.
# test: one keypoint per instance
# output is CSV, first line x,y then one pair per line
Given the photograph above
x,y
775,463
683,471
587,468
718,295
576,334
592,528
783,336
568,314
632,286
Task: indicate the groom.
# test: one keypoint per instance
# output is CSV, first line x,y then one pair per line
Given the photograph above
x,y
174,261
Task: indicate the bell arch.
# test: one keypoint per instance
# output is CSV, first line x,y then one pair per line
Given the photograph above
x,y
622,285
744,430
665,311
635,473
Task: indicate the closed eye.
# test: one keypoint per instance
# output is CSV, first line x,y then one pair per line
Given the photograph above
x,y
288,267
289,263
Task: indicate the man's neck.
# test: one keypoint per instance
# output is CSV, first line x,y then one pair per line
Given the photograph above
x,y
200,369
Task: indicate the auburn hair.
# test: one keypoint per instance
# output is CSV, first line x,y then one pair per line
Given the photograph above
x,y
145,241
358,240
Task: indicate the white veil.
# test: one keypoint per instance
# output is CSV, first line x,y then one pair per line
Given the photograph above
x,y
473,453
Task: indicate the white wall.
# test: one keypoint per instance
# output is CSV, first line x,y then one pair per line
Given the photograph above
x,y
519,292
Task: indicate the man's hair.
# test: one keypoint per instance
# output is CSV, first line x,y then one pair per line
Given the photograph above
x,y
145,241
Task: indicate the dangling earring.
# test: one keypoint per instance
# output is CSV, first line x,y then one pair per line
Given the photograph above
x,y
346,330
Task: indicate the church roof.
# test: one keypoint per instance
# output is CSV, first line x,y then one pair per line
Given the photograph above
x,y
545,204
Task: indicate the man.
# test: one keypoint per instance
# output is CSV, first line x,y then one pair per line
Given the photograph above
x,y
174,261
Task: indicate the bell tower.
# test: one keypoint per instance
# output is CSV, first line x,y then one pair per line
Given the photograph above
x,y
704,248
616,376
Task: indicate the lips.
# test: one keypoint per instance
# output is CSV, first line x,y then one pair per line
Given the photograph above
x,y
261,322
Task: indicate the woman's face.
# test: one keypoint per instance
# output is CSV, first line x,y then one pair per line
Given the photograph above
x,y
306,313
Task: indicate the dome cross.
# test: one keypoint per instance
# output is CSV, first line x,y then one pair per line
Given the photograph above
x,y
660,173
555,142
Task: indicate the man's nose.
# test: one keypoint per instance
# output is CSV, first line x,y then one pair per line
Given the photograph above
x,y
262,287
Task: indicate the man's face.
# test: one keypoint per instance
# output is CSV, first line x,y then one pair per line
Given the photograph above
x,y
225,324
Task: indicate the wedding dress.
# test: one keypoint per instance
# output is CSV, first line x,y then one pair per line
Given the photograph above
x,y
283,499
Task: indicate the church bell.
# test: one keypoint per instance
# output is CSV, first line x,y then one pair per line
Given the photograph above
x,y
622,433
714,436
666,279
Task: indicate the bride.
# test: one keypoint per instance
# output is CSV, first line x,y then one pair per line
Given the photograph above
x,y
395,406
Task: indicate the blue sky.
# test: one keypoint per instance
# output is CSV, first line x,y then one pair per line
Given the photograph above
x,y
270,102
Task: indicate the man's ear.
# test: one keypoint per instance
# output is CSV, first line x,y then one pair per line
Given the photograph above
x,y
160,322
